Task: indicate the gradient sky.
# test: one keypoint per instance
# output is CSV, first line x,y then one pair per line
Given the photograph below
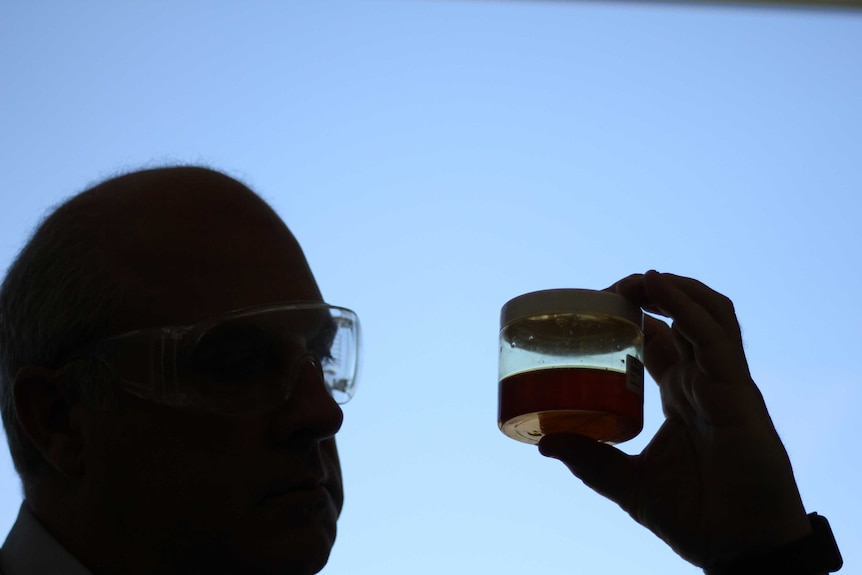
x,y
436,159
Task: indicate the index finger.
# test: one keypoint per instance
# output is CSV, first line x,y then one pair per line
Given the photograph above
x,y
698,311
632,288
703,316
660,293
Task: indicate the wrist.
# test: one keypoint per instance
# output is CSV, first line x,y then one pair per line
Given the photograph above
x,y
813,554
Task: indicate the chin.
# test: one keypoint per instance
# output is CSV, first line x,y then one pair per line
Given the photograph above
x,y
301,550
291,533
307,554
302,555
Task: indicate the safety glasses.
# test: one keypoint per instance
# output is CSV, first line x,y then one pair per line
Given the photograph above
x,y
246,361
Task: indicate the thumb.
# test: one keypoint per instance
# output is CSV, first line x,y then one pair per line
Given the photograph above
x,y
605,469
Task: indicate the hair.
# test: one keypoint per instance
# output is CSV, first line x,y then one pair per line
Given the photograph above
x,y
55,297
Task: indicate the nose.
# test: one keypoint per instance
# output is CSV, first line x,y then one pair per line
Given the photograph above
x,y
309,414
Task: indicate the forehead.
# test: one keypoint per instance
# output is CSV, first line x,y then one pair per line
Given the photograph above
x,y
190,244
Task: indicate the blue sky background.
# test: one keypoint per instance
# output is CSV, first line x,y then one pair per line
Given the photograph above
x,y
438,158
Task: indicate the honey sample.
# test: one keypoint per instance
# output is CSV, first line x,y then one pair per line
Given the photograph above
x,y
571,362
592,402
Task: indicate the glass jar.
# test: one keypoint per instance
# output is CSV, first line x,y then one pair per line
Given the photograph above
x,y
571,361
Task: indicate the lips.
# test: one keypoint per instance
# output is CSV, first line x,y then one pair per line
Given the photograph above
x,y
285,488
299,507
309,499
313,481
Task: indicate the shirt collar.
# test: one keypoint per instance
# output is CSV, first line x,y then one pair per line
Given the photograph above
x,y
31,550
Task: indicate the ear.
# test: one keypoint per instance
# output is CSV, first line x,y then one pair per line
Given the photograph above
x,y
50,417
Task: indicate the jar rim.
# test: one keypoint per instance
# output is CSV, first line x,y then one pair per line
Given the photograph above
x,y
570,300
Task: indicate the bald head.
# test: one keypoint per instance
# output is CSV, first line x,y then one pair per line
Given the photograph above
x,y
186,242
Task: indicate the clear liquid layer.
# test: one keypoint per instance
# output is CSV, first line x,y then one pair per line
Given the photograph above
x,y
568,340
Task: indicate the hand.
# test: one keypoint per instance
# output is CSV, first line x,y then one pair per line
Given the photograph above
x,y
715,481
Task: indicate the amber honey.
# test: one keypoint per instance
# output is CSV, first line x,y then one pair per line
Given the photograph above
x,y
592,402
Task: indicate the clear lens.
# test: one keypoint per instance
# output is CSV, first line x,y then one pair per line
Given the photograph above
x,y
341,364
246,361
252,360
